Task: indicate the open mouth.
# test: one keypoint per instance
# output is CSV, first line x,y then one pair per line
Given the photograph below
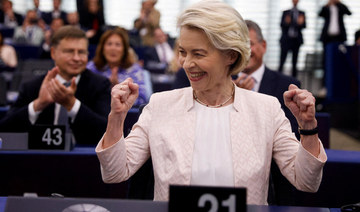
x,y
195,76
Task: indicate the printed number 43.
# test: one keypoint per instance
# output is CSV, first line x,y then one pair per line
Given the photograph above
x,y
54,137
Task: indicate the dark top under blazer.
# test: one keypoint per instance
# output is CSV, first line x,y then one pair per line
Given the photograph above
x,y
93,91
325,13
275,84
285,28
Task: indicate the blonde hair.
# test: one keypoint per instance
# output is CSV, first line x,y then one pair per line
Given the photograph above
x,y
224,27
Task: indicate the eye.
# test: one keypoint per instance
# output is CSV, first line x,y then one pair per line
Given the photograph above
x,y
182,53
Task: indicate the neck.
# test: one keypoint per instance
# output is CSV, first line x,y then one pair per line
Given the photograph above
x,y
219,97
113,65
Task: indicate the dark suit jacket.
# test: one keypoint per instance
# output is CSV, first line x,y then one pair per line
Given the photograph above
x,y
275,84
325,13
47,17
93,91
152,60
285,28
19,18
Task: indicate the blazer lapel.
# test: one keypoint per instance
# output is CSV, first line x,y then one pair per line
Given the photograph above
x,y
242,140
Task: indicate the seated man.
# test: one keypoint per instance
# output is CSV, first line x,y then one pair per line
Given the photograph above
x,y
158,57
86,99
257,77
30,32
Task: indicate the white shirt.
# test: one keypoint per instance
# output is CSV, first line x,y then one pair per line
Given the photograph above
x,y
334,28
212,160
160,48
257,76
33,115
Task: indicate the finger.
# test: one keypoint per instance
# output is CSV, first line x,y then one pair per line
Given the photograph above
x,y
289,95
293,87
51,74
73,84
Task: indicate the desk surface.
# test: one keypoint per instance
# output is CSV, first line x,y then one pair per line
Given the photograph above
x,y
46,172
20,204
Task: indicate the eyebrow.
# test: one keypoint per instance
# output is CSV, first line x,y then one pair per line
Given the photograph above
x,y
195,50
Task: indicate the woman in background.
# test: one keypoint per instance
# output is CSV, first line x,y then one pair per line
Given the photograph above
x,y
115,60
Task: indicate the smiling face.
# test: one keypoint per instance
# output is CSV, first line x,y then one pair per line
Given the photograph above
x,y
206,67
113,50
258,49
71,56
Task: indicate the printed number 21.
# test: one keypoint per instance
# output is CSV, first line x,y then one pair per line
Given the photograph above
x,y
230,203
48,139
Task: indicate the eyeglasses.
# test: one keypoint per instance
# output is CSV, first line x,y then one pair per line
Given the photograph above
x,y
72,52
351,208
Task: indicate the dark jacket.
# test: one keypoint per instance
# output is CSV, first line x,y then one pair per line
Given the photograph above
x,y
325,13
93,91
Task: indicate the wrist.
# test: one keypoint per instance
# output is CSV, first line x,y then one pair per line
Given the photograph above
x,y
308,131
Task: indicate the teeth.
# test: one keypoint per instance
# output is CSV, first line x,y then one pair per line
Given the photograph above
x,y
199,74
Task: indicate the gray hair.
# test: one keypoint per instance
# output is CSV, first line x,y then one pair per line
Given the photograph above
x,y
224,27
254,26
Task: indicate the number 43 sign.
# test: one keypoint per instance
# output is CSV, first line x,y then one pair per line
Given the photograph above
x,y
47,137
209,199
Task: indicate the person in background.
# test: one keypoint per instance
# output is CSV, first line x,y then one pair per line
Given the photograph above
x,y
56,24
175,67
158,57
73,19
91,17
333,30
30,31
357,38
82,96
134,34
292,24
9,18
8,58
113,59
213,133
259,78
150,19
55,13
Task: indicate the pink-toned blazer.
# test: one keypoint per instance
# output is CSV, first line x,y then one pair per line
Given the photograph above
x,y
259,131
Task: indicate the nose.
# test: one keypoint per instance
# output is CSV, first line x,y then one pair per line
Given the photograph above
x,y
187,62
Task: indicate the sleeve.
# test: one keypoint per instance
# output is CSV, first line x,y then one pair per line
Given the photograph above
x,y
121,160
302,169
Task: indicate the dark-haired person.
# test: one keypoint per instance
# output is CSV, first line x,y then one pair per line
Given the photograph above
x,y
86,99
115,59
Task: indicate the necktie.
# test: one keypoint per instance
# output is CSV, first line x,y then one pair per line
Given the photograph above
x,y
63,116
163,59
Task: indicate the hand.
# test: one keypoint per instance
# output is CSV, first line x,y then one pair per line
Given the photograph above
x,y
301,19
244,81
288,19
44,97
302,105
123,96
62,94
114,76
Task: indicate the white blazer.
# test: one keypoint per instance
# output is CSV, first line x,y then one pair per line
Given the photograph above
x,y
259,132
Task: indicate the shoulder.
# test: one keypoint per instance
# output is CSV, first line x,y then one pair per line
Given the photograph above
x,y
173,98
89,75
281,78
